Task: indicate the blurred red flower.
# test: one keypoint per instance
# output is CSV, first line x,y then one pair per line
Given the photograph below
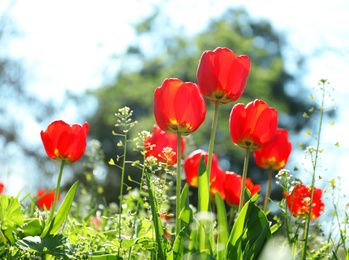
x,y
2,187
275,154
218,179
222,75
253,126
191,166
46,199
232,187
65,142
155,144
179,107
298,201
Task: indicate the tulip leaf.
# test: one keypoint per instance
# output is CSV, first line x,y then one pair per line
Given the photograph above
x,y
251,230
11,213
223,235
206,228
53,227
203,187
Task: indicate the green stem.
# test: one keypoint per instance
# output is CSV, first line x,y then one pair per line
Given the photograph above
x,y
122,183
213,133
178,189
270,176
53,208
244,174
314,171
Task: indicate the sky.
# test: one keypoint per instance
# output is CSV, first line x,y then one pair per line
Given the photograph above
x,y
68,45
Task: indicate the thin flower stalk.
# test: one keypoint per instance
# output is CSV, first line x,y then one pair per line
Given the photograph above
x,y
270,176
178,187
244,175
212,137
314,163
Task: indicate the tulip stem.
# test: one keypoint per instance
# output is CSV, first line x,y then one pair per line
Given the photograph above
x,y
244,174
213,133
53,208
270,176
178,188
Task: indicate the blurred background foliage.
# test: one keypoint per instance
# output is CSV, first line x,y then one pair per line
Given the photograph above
x,y
162,51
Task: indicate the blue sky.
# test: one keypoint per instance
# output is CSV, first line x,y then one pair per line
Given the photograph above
x,y
68,44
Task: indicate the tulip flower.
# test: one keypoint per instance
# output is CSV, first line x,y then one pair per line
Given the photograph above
x,y
2,187
218,179
155,144
253,126
298,201
46,198
232,188
191,166
222,75
273,157
179,107
65,142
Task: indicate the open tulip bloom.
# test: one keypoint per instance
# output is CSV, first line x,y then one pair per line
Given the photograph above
x,y
178,108
273,157
66,143
222,75
252,127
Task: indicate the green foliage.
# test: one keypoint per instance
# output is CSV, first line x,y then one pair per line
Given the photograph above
x,y
11,213
250,232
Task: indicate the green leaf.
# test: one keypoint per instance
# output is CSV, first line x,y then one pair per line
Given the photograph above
x,y
274,228
203,187
48,245
204,214
63,211
223,235
186,215
10,212
33,227
53,227
250,232
159,232
178,245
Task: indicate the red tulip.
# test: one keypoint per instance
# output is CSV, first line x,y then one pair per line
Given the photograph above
x,y
218,179
253,126
47,199
159,140
191,166
2,187
222,75
275,154
232,188
65,142
298,201
179,107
